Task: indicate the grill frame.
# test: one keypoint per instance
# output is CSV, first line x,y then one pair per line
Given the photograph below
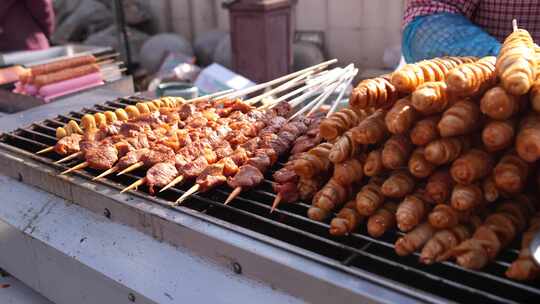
x,y
369,248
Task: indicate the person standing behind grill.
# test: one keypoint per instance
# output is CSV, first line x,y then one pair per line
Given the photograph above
x,y
434,28
25,24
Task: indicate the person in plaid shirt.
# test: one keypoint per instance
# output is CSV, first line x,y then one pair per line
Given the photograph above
x,y
435,28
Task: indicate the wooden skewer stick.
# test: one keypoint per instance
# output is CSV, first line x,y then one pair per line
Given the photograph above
x,y
276,202
134,185
69,157
187,194
77,167
48,149
135,166
341,93
233,195
514,25
321,79
277,80
289,84
109,171
211,96
173,183
317,102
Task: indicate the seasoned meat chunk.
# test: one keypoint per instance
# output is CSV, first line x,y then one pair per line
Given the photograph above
x,y
246,177
160,175
101,157
68,144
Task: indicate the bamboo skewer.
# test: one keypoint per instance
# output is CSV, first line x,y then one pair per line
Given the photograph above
x,y
233,195
290,84
342,92
276,202
187,194
109,171
332,109
77,167
277,80
48,149
135,166
173,183
69,157
134,185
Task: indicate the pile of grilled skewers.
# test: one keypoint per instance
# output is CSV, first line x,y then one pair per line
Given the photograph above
x,y
445,150
211,141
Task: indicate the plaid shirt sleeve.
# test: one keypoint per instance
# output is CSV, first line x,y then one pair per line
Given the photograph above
x,y
416,8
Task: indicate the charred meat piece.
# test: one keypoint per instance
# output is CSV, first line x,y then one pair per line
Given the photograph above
x,y
261,161
251,145
224,150
157,154
246,177
139,141
239,156
194,168
186,110
289,192
285,175
211,176
123,148
68,144
101,157
132,157
230,168
282,109
160,175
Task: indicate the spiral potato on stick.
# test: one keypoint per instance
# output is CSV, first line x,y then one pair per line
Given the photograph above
x,y
400,117
343,148
369,198
373,165
414,239
498,104
396,152
442,241
418,165
516,64
471,78
425,131
472,166
346,220
446,150
496,232
528,138
411,212
498,134
511,174
439,186
371,130
339,122
461,118
524,267
431,98
382,220
466,197
376,93
410,76
399,184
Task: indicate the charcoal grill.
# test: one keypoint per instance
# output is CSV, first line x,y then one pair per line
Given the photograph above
x,y
357,256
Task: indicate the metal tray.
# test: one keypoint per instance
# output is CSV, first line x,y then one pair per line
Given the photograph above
x,y
29,58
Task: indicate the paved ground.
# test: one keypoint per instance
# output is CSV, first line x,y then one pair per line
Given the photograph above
x,y
13,291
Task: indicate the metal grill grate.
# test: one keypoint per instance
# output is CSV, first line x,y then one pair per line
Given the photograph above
x,y
357,254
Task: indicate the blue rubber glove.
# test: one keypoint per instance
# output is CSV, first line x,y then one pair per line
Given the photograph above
x,y
446,35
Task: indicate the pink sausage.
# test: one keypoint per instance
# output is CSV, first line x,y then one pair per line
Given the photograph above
x,y
30,89
71,85
88,86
